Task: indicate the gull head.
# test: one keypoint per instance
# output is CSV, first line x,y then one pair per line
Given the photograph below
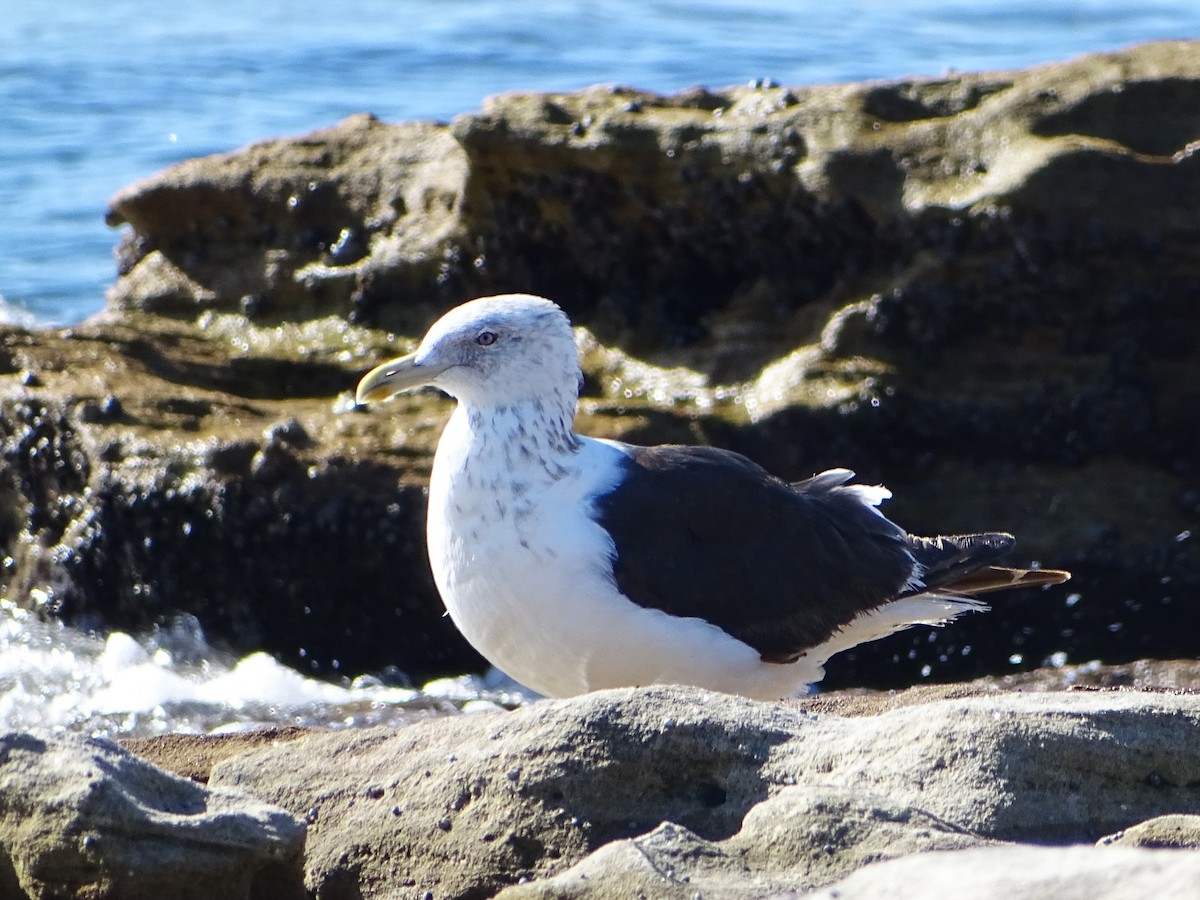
x,y
494,351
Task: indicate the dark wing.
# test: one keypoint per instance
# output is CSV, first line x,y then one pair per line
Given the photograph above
x,y
708,533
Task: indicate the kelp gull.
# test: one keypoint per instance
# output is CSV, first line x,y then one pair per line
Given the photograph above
x,y
575,564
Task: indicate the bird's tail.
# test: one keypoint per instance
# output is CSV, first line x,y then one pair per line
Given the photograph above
x,y
962,565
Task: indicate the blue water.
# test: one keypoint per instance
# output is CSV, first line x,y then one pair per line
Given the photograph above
x,y
94,96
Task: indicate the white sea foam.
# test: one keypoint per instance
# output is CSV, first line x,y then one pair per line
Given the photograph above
x,y
12,314
55,678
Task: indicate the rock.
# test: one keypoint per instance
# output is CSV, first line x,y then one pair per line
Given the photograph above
x,y
975,288
1051,767
1035,873
293,228
193,755
162,468
81,817
618,792
802,835
1160,833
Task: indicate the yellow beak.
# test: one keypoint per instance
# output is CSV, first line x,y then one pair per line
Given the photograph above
x,y
394,376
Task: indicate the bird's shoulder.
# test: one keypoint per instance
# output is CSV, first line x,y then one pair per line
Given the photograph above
x,y
699,472
721,490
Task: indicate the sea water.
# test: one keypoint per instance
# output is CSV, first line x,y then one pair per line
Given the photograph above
x,y
93,97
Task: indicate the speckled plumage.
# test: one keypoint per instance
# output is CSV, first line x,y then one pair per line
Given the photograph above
x,y
575,564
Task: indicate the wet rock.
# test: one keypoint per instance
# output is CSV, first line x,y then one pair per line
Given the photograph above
x,y
81,817
161,467
673,791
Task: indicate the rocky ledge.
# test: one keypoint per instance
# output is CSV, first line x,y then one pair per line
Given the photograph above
x,y
666,793
980,289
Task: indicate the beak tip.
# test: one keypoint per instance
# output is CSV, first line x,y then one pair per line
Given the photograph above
x,y
369,391
389,379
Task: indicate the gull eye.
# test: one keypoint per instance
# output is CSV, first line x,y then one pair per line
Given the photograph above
x,y
486,338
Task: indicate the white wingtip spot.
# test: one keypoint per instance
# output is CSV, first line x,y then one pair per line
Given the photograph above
x,y
869,494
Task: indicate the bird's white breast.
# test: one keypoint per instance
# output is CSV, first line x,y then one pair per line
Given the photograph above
x,y
514,552
525,572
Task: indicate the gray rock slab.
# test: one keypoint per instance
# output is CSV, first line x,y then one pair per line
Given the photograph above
x,y
1051,767
81,817
801,836
769,793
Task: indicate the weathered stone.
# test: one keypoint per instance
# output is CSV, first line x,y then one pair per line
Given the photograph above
x,y
803,835
772,795
463,806
294,228
83,818
193,755
1031,873
1046,768
1160,833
